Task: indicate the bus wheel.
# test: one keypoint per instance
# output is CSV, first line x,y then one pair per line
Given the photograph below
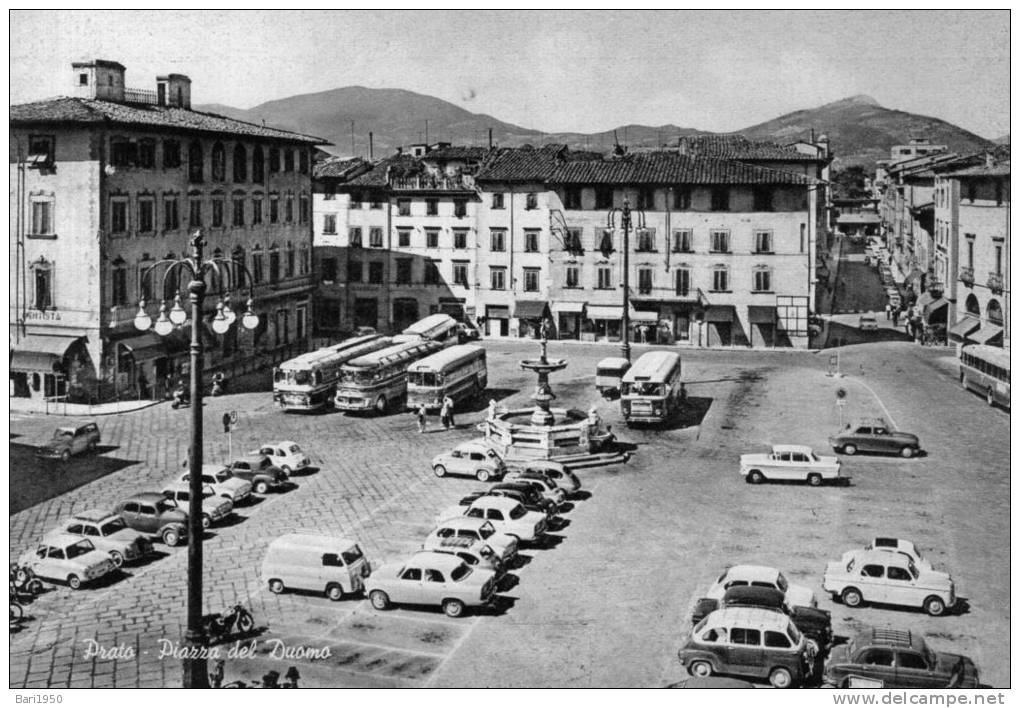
x,y
380,405
990,397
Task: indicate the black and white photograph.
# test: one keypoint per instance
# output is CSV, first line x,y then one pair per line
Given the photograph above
x,y
510,349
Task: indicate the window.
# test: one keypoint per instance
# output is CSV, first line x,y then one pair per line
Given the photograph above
x,y
145,277
288,160
404,271
258,165
146,215
43,284
237,256
573,242
531,280
118,290
497,201
403,207
375,272
147,153
682,199
683,281
42,217
274,209
763,242
644,281
803,235
274,159
606,242
605,278
375,239
118,215
288,209
720,199
531,201
531,241
41,150
762,199
910,660
195,212
497,278
646,198
329,223
431,272
497,240
219,162
403,238
431,238
411,574
646,239
573,277
217,212
171,214
459,208
720,279
354,270
303,210
572,198
877,657
749,637
256,210
123,152
895,573
303,161
460,273
720,242
289,266
776,639
603,197
431,207
971,191
240,163
762,280
460,238
329,270
256,265
238,218
196,164
354,236
305,261
683,241
998,259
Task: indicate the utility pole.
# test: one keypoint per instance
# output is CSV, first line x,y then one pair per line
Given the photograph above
x,y
352,139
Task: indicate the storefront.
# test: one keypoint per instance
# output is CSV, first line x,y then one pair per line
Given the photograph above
x,y
719,325
762,320
49,365
530,314
568,319
603,323
644,326
142,365
497,321
452,306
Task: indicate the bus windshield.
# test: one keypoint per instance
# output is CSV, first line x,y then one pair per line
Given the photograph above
x,y
641,388
425,378
357,377
300,378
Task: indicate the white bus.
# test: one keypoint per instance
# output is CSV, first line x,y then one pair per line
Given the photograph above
x,y
435,328
308,382
378,381
985,369
458,372
651,390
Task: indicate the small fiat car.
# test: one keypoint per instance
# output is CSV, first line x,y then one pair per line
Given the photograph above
x,y
751,642
506,515
867,322
761,576
898,545
223,483
69,441
789,462
431,579
259,471
893,658
471,533
151,513
286,454
109,533
527,494
316,563
214,507
875,436
474,458
66,558
891,579
481,556
816,624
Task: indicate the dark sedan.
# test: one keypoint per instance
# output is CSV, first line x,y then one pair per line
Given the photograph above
x,y
875,437
891,658
527,494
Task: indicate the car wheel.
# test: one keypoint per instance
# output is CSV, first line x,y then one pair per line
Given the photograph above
x,y
755,477
849,449
261,487
439,471
482,475
334,592
74,582
118,558
65,456
989,397
701,669
276,586
380,405
815,479
206,521
852,597
245,623
934,606
92,445
453,608
34,586
781,678
171,537
379,599
907,452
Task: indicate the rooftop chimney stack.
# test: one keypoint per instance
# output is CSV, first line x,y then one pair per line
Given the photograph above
x,y
371,146
490,138
98,79
173,90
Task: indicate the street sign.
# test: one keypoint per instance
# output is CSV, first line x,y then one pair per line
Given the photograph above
x,y
840,402
840,393
233,417
226,422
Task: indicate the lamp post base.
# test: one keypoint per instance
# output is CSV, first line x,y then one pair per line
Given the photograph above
x,y
196,666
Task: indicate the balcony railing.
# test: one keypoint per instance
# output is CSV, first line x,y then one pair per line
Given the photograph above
x,y
430,183
140,96
996,283
967,277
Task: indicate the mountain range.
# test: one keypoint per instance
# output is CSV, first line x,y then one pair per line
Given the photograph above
x,y
860,130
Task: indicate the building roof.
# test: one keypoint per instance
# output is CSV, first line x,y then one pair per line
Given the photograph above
x,y
143,115
671,168
523,164
377,176
457,152
340,167
999,169
738,147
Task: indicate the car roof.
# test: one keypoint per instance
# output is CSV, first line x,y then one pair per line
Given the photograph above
x,y
503,503
754,593
463,522
880,542
150,497
311,541
437,561
474,444
857,422
752,617
752,572
93,515
888,636
792,448
876,556
58,538
281,443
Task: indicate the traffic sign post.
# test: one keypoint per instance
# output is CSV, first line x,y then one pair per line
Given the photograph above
x,y
229,421
840,404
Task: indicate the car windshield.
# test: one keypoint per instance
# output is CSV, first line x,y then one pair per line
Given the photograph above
x,y
223,475
165,505
352,555
263,463
63,433
112,526
517,512
460,572
356,377
80,548
913,569
794,633
781,582
294,448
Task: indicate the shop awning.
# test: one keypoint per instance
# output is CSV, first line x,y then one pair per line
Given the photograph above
x,y
530,309
147,345
644,317
37,352
964,327
499,312
605,312
573,307
761,314
986,334
719,313
935,304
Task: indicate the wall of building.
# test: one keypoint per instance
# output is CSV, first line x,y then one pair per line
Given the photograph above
x,y
988,222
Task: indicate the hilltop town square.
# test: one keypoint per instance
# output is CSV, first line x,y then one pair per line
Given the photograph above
x,y
364,388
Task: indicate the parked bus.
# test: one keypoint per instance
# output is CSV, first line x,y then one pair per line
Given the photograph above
x,y
436,328
308,382
378,381
985,369
458,372
651,390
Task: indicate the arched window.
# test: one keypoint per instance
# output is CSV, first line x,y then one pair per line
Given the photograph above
x,y
171,279
118,282
973,306
196,162
274,159
306,259
994,312
240,163
219,162
256,264
274,264
258,165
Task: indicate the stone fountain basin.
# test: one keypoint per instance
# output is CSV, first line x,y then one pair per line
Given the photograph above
x,y
547,365
566,419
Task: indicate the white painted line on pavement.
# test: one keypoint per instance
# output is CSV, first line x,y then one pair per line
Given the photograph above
x,y
453,650
888,416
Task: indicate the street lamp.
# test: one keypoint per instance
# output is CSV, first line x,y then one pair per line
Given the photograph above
x,y
625,217
195,669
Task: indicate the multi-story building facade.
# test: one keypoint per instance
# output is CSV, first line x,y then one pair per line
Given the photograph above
x,y
109,182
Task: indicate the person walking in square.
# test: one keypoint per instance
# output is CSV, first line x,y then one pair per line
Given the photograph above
x,y
445,413
448,402
422,418
896,317
888,310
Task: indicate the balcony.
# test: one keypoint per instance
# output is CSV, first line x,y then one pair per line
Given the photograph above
x,y
996,283
429,183
967,277
140,96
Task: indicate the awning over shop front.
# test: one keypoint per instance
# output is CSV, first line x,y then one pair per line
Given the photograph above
x,y
964,327
530,309
644,317
934,305
498,312
37,352
147,345
761,314
569,307
605,312
719,313
986,334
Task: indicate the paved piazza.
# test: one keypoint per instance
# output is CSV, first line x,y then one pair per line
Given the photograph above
x,y
606,602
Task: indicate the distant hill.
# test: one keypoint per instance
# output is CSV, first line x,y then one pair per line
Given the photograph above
x,y
1002,140
860,130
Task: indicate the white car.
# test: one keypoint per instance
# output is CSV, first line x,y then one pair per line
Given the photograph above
x,y
214,506
867,322
761,576
893,545
789,462
223,482
286,454
471,532
506,516
891,579
70,559
109,533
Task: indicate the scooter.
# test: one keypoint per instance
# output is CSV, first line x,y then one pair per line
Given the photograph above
x,y
24,586
220,625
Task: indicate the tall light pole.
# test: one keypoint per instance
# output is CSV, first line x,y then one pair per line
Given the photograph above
x,y
625,222
195,668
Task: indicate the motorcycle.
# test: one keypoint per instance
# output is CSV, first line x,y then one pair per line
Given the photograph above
x,y
24,586
269,680
182,397
220,625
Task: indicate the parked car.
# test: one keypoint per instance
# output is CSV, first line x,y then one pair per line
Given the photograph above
x,y
286,454
474,458
867,322
69,441
506,515
554,471
429,578
549,487
891,658
151,513
109,533
874,436
364,331
761,576
482,557
526,493
789,462
816,624
467,333
748,641
888,578
260,471
67,559
334,565
223,483
471,533
214,507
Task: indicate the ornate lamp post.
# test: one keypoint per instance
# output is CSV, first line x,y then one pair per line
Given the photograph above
x,y
625,222
195,669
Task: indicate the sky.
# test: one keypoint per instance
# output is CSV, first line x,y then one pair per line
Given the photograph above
x,y
554,71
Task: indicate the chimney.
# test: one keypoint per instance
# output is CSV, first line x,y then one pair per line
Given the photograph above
x,y
371,146
400,151
99,79
812,140
173,90
490,138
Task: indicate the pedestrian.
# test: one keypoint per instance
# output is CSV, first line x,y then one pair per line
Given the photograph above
x,y
888,310
492,409
446,412
143,385
896,317
422,417
449,411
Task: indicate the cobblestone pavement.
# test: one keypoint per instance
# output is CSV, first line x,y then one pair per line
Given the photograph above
x,y
606,604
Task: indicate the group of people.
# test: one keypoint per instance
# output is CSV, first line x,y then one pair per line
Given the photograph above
x,y
445,415
913,322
